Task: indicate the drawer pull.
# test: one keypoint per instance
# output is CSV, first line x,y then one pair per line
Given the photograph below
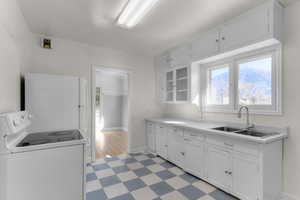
x,y
228,172
227,144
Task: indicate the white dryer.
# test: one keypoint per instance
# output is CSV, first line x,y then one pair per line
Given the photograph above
x,y
35,166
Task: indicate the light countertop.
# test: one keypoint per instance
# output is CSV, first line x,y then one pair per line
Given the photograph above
x,y
206,126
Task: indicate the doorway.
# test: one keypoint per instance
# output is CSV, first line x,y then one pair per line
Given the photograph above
x,y
110,112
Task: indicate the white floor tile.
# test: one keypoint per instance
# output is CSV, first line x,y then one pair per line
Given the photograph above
x,y
126,176
156,168
151,179
204,187
176,171
144,194
141,157
207,197
116,163
173,196
177,182
158,160
105,173
93,186
135,165
115,190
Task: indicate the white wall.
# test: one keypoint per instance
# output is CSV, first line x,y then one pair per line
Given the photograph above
x,y
73,58
15,40
112,83
291,103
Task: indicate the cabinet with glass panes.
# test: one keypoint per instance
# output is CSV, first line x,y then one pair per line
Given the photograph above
x,y
177,85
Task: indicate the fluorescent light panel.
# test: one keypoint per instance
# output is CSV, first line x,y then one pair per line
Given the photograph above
x,y
134,11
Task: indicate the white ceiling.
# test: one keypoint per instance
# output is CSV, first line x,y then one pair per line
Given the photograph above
x,y
93,21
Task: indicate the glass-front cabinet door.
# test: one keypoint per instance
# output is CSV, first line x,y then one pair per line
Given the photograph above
x,y
182,84
170,86
177,88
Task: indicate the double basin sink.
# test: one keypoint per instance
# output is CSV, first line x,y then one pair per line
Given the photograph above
x,y
247,132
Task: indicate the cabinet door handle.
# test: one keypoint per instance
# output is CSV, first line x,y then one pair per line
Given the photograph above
x,y
223,38
226,172
230,145
217,40
230,173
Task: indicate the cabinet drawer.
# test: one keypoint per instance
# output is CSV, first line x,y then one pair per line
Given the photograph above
x,y
246,147
194,135
220,141
235,145
175,131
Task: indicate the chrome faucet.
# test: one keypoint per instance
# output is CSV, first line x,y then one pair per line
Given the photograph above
x,y
248,126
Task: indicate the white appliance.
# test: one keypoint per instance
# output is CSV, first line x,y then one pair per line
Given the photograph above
x,y
40,166
55,102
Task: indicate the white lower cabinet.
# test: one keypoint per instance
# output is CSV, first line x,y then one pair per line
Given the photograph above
x,y
194,157
246,176
162,141
249,171
150,137
219,167
176,149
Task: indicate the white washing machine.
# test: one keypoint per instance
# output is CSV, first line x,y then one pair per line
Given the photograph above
x,y
40,166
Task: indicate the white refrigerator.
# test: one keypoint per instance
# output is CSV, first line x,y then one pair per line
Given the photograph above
x,y
56,102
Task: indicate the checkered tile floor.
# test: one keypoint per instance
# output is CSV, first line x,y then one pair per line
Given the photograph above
x,y
145,177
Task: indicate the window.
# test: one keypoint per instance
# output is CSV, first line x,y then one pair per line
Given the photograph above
x,y
218,86
255,82
251,79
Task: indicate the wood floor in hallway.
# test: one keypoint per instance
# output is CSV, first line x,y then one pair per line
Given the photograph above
x,y
111,143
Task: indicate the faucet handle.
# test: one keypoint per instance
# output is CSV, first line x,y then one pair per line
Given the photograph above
x,y
251,126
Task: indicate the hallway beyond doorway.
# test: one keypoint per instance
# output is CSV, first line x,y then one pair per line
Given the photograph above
x,y
111,143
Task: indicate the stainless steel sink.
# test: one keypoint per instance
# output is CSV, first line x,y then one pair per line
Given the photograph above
x,y
247,132
253,133
226,129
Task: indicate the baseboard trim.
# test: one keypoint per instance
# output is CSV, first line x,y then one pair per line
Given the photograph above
x,y
286,196
140,149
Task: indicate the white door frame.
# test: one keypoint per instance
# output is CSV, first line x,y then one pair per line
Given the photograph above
x,y
93,102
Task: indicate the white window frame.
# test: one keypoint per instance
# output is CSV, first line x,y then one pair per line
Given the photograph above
x,y
207,73
275,109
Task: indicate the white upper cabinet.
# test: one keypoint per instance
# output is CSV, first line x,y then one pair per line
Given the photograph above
x,y
177,85
162,64
257,28
180,56
256,25
206,45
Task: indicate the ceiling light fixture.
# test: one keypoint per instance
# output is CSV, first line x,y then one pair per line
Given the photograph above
x,y
134,11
